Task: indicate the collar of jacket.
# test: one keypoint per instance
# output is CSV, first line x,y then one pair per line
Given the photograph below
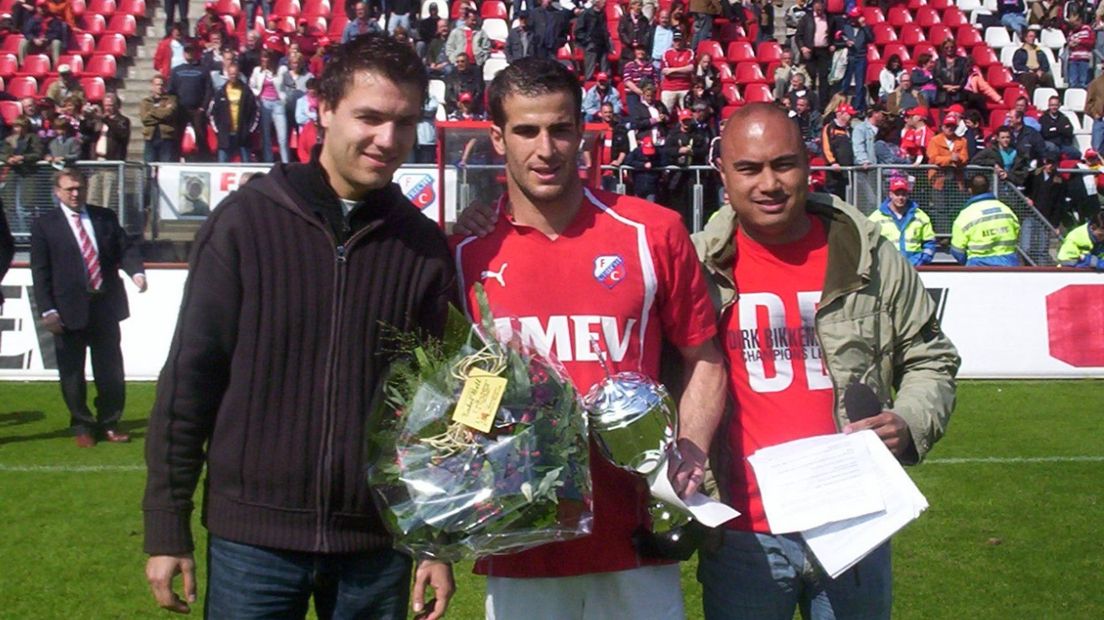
x,y
851,245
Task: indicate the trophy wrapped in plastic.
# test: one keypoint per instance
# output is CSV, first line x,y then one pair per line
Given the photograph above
x,y
634,421
482,448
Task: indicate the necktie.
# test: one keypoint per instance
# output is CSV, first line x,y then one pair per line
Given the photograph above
x,y
88,253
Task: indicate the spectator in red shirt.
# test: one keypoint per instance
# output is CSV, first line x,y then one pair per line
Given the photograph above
x,y
163,55
677,69
306,41
1081,39
209,22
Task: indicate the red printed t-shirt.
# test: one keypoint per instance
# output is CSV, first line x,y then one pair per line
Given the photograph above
x,y
781,387
674,59
624,270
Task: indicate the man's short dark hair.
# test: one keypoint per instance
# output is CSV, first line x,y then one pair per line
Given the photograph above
x,y
68,173
1003,129
375,53
979,184
531,77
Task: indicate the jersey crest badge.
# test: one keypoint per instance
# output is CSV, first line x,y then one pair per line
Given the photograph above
x,y
610,270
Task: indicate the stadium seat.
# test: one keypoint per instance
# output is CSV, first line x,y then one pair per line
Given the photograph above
x,y
1041,96
113,43
228,7
1006,54
11,43
1084,141
75,62
1075,121
492,67
1011,94
874,71
999,76
94,88
711,47
81,43
728,111
137,8
44,84
969,6
724,72
750,73
106,8
312,8
284,8
23,86
454,11
78,7
1074,99
884,34
442,7
102,65
493,9
316,24
758,93
873,15
92,24
997,37
915,4
496,29
942,5
724,33
954,18
768,51
731,93
835,7
437,90
872,53
998,118
968,37
6,6
228,23
924,48
1055,67
899,16
10,110
740,51
337,25
123,24
927,17
983,56
939,33
9,64
897,49
912,34
286,24
1053,38
35,65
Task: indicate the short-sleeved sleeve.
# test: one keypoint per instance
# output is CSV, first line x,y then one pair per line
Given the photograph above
x,y
685,309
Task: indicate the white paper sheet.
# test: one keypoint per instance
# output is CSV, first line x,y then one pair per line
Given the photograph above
x,y
706,510
811,482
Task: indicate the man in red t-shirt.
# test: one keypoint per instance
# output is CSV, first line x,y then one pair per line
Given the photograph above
x,y
677,69
572,265
812,301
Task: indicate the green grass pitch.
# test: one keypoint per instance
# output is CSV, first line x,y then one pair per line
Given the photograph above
x,y
1014,529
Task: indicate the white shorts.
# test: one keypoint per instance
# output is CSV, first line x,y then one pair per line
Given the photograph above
x,y
647,593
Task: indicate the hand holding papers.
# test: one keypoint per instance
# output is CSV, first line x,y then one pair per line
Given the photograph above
x,y
705,510
846,494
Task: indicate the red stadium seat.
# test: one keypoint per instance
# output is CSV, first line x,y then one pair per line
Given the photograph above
x,y
495,9
758,93
9,64
35,65
228,7
968,37
897,49
724,73
94,88
728,111
768,51
92,24
939,33
102,65
883,34
44,84
75,62
284,8
873,15
10,110
999,77
835,7
740,51
927,17
731,94
874,71
915,4
711,47
899,16
998,118
317,7
954,18
984,56
81,43
872,53
317,25
23,86
123,24
1011,94
724,33
286,24
105,8
454,11
750,73
940,4
113,43
6,6
337,25
137,8
924,48
912,34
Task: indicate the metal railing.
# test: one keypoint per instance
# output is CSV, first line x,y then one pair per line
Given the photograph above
x,y
116,185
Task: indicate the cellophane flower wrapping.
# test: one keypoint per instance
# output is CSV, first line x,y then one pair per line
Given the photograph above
x,y
450,492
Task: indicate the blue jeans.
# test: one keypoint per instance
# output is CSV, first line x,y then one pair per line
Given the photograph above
x,y
1014,21
856,69
703,29
224,155
273,114
1098,134
160,150
1078,73
763,577
254,582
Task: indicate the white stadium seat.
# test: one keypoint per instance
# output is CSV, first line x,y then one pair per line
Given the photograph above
x,y
997,37
492,67
496,29
1042,95
1074,99
1052,38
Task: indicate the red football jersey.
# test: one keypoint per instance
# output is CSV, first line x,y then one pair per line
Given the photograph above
x,y
625,271
780,385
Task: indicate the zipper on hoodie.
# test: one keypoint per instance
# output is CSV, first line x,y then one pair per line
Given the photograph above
x,y
324,477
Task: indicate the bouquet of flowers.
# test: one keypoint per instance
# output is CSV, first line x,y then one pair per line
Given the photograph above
x,y
483,448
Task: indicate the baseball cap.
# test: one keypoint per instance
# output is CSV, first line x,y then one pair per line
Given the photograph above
x,y
956,108
209,6
465,98
64,68
685,114
647,146
950,119
602,76
1091,154
917,111
677,34
898,184
846,108
855,12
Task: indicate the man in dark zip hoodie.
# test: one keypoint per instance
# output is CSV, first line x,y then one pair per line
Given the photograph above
x,y
274,371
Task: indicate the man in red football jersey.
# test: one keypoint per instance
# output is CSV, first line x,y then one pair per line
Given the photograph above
x,y
571,266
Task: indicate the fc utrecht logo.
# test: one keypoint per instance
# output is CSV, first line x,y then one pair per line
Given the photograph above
x,y
609,270
418,189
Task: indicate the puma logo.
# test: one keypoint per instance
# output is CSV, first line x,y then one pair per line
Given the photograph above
x,y
496,275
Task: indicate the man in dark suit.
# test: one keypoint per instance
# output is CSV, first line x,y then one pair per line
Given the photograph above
x,y
76,253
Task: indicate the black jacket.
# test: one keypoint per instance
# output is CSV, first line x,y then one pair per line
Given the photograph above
x,y
59,273
7,249
516,47
469,81
806,30
592,32
218,114
191,83
118,136
990,157
277,361
550,26
1049,195
630,31
1058,130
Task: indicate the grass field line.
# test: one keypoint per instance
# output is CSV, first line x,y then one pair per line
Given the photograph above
x,y
964,460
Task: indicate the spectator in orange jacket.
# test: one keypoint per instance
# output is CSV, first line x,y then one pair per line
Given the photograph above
x,y
948,151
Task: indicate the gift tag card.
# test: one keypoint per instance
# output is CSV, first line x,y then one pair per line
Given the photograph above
x,y
479,400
